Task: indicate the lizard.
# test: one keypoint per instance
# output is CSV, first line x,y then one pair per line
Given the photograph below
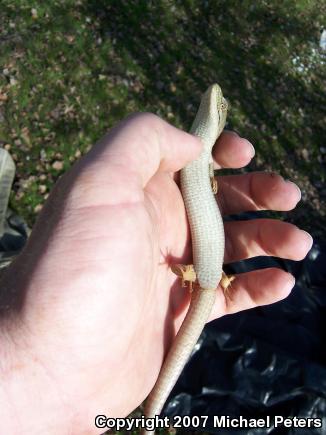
x,y
198,187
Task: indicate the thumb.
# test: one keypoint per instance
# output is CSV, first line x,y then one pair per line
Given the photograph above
x,y
144,143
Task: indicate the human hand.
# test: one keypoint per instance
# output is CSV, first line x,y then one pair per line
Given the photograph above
x,y
95,304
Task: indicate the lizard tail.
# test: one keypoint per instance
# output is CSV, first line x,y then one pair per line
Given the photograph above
x,y
200,308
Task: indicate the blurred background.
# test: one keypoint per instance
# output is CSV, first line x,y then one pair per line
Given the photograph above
x,y
70,70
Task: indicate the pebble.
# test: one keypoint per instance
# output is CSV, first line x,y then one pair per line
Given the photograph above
x,y
38,208
57,165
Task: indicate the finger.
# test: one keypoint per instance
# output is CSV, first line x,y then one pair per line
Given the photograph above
x,y
256,191
246,239
232,151
251,289
144,144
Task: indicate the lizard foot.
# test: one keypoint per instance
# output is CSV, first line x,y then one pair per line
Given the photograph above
x,y
226,283
186,273
214,184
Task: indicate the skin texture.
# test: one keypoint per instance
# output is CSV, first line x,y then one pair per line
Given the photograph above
x,y
91,306
207,240
205,220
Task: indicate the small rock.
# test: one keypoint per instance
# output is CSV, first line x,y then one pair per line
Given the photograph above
x,y
38,208
42,177
305,154
7,146
173,87
77,154
43,155
70,38
34,13
57,165
42,188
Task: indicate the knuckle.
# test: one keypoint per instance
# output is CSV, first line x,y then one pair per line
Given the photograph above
x,y
146,123
144,117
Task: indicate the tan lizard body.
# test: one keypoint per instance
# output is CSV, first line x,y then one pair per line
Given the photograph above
x,y
207,233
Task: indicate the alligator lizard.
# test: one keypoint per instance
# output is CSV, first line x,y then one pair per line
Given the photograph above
x,y
207,233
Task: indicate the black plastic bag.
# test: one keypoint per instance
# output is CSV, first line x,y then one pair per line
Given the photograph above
x,y
268,361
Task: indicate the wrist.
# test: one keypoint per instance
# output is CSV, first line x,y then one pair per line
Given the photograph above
x,y
29,401
7,411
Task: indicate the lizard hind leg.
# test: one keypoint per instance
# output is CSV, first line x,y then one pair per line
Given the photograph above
x,y
186,273
226,284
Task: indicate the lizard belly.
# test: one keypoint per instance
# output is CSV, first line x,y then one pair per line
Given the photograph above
x,y
206,224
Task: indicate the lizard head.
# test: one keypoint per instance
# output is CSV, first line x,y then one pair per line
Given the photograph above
x,y
215,99
211,115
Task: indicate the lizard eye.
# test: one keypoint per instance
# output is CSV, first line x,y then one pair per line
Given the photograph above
x,y
224,105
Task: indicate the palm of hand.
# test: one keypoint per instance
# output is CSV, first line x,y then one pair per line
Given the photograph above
x,y
97,250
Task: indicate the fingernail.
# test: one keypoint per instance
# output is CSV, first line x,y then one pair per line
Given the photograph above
x,y
297,187
251,147
311,240
291,281
253,151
